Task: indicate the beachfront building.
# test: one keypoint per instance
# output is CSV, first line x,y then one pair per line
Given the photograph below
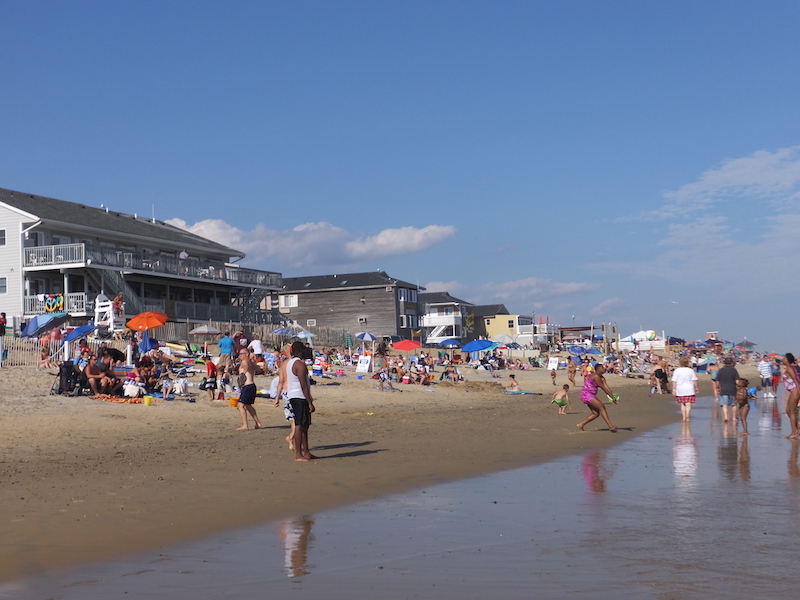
x,y
497,321
444,317
59,256
354,302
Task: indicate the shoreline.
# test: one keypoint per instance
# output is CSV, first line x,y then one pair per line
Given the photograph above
x,y
86,480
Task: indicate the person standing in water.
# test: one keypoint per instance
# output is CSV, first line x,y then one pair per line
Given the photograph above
x,y
594,380
685,388
299,393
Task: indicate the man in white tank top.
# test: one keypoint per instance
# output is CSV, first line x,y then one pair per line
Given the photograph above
x,y
299,393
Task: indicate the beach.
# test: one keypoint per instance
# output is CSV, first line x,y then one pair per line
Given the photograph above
x,y
86,480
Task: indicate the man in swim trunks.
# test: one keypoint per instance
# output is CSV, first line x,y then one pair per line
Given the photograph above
x,y
299,393
247,396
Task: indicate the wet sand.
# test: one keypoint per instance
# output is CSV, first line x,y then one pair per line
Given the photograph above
x,y
85,480
684,511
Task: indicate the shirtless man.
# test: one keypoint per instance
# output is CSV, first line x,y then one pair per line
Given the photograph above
x,y
247,397
299,393
95,376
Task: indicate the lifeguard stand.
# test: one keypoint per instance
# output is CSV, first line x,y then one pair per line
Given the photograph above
x,y
104,316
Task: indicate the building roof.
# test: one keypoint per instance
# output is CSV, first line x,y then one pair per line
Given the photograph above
x,y
344,281
490,310
52,211
441,298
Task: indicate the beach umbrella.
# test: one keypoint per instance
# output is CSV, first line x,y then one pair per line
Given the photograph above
x,y
576,350
147,320
348,340
407,345
503,338
593,351
78,333
366,336
147,343
282,331
478,346
205,330
304,335
42,323
450,343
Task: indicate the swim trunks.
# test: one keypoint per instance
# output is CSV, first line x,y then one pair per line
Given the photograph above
x,y
302,412
248,394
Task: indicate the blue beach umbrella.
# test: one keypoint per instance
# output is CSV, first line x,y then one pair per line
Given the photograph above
x,y
366,336
41,323
450,343
282,331
147,343
478,345
79,332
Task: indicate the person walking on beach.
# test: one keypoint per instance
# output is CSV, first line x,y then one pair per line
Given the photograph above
x,y
685,388
594,380
247,395
743,402
225,344
726,378
299,393
765,370
791,383
713,370
571,369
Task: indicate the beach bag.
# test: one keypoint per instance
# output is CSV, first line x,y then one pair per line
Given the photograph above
x,y
202,384
180,387
132,390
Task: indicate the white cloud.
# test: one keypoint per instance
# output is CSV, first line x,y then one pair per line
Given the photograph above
x,y
602,309
315,247
532,288
762,174
454,288
399,241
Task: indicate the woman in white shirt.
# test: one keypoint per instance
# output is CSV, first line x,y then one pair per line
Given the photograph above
x,y
685,388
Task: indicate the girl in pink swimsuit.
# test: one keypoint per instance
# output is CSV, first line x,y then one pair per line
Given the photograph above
x,y
791,383
594,380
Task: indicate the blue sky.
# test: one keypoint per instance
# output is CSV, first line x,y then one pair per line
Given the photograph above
x,y
631,162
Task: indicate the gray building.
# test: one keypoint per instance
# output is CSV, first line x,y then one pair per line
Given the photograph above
x,y
373,302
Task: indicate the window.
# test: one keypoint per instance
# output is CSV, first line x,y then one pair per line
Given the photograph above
x,y
2,237
287,301
404,322
412,295
3,285
510,324
402,295
488,321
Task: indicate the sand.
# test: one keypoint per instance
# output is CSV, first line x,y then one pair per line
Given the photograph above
x,y
85,480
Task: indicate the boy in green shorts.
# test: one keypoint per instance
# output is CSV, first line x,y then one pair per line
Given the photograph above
x,y
561,398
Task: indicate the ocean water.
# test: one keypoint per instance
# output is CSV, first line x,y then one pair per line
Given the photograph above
x,y
682,512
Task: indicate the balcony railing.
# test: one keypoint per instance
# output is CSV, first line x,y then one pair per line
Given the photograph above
x,y
84,254
434,320
79,303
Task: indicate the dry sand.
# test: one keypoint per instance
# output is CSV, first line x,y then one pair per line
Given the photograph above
x,y
85,480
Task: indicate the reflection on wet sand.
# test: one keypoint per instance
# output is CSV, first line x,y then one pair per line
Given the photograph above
x,y
295,534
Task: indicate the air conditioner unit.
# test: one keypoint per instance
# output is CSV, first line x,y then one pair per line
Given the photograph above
x,y
388,288
362,320
311,323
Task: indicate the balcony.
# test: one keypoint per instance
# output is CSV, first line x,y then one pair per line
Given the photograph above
x,y
435,320
79,304
83,255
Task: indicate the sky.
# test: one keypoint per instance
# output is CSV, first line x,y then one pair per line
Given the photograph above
x,y
630,162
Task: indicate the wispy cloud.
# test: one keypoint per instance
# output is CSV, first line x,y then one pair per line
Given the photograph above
x,y
404,240
315,246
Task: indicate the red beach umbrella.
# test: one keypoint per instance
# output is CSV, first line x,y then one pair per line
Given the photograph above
x,y
406,345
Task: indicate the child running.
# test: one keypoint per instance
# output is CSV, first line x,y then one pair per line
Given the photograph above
x,y
561,399
594,381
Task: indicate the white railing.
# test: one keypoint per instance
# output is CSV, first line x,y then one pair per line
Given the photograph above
x,y
72,303
66,254
434,320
